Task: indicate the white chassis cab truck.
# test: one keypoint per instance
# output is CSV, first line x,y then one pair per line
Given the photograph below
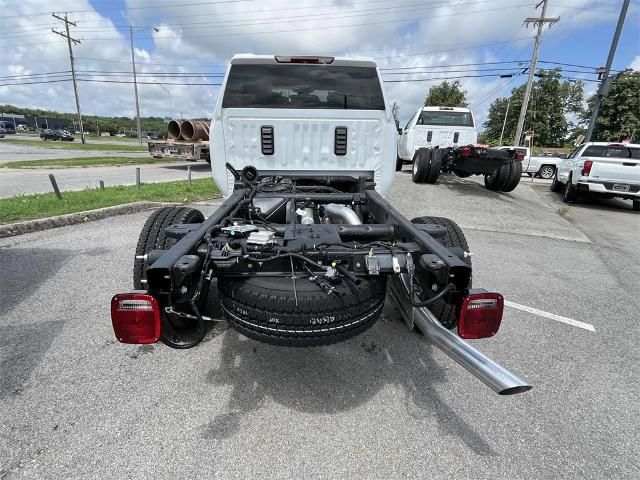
x,y
600,168
305,250
444,139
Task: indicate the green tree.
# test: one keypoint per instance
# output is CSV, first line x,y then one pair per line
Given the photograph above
x,y
446,95
552,105
619,113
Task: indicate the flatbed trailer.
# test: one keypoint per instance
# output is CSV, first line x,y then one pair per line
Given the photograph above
x,y
192,151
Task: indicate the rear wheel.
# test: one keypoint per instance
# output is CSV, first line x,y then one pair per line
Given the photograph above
x,y
427,163
152,236
515,175
505,178
546,172
446,312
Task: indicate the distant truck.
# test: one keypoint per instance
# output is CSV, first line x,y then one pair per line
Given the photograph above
x,y
188,139
540,166
600,168
444,139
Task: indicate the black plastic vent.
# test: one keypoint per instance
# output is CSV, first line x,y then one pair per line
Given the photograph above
x,y
429,135
340,144
455,137
266,138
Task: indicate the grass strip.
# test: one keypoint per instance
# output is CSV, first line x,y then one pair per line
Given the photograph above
x,y
87,162
27,207
54,145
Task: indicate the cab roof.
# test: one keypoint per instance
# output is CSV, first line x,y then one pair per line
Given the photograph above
x,y
450,109
250,59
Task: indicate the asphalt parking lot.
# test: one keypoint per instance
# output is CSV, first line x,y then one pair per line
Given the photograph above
x,y
75,403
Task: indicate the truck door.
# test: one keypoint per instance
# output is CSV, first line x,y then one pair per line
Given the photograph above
x,y
404,144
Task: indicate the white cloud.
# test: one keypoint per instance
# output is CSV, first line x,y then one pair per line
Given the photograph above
x,y
635,63
191,39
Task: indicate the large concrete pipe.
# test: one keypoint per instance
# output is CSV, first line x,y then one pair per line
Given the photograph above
x,y
173,130
194,130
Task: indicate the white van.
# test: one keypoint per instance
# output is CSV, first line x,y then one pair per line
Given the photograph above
x,y
303,116
440,127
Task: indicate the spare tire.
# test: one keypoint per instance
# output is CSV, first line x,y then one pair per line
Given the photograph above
x,y
268,310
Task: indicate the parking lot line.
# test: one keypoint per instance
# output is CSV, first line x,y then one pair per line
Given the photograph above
x,y
552,316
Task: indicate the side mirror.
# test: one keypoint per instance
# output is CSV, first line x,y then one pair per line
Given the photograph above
x,y
399,131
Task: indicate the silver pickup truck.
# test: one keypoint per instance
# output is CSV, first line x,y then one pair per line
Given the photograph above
x,y
600,168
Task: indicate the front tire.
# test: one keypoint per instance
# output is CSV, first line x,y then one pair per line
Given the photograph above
x,y
570,195
399,163
556,186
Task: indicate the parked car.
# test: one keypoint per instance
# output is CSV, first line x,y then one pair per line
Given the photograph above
x,y
8,127
600,168
543,167
60,135
2,132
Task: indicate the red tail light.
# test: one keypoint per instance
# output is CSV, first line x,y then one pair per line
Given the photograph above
x,y
135,318
466,151
519,156
586,168
480,315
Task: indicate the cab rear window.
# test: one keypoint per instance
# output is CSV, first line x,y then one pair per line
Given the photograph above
x,y
611,151
446,118
303,86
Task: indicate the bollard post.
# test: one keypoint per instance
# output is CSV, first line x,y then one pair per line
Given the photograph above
x,y
101,185
54,184
138,178
189,174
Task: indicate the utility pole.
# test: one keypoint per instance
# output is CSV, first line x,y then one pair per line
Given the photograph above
x,y
73,69
504,124
135,84
540,22
605,80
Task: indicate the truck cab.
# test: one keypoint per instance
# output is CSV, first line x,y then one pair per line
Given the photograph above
x,y
440,127
320,117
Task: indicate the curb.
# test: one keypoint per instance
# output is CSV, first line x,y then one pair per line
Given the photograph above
x,y
19,228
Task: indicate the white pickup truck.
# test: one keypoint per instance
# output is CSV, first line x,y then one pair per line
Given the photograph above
x,y
543,167
600,168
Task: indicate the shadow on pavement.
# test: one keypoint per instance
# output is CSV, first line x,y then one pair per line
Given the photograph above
x,y
594,202
337,378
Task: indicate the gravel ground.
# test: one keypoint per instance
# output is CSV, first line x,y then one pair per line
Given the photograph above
x,y
77,404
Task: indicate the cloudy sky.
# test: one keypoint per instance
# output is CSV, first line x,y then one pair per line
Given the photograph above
x,y
182,46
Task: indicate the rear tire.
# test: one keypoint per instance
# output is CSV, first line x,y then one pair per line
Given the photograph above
x,y
446,312
636,205
427,163
505,178
152,236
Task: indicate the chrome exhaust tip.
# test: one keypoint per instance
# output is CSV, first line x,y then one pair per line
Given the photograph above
x,y
498,378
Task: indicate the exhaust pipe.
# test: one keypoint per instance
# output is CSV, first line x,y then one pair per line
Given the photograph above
x,y
194,130
339,212
173,130
498,378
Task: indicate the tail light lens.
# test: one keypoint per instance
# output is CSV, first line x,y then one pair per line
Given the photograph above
x,y
466,151
304,59
519,156
480,315
586,168
135,318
